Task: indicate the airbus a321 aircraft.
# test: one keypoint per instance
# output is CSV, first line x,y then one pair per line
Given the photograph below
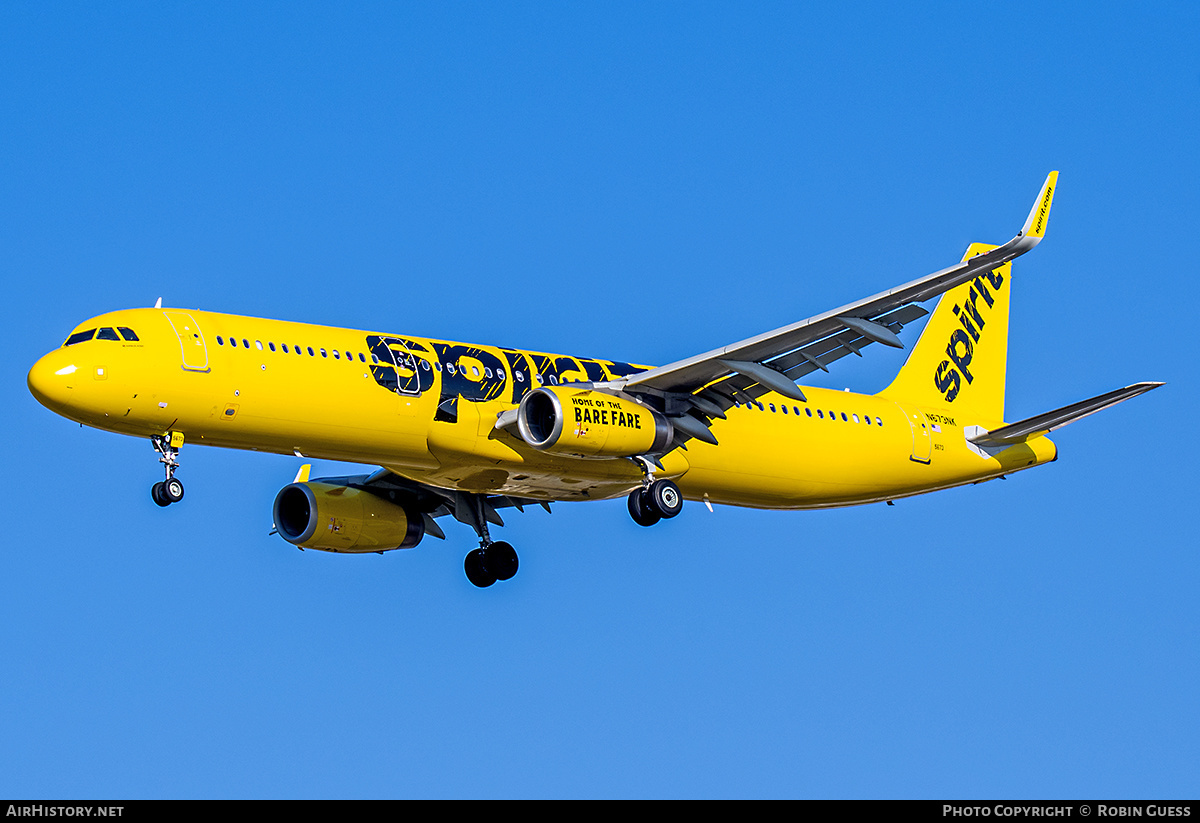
x,y
468,430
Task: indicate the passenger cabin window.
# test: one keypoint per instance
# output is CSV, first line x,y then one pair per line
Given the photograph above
x,y
80,336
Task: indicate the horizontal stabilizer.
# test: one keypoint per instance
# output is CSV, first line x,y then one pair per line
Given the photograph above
x,y
1045,423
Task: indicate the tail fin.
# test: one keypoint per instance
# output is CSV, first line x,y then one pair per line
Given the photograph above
x,y
961,359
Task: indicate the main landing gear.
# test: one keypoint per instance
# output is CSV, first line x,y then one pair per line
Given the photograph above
x,y
656,500
170,490
491,561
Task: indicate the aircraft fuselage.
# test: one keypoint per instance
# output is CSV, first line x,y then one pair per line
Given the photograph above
x,y
427,410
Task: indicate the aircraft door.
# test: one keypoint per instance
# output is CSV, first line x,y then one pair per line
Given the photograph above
x,y
191,340
922,450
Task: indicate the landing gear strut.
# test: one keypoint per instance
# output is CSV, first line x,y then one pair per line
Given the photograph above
x,y
491,561
170,490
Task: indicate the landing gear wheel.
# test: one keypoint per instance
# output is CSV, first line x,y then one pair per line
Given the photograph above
x,y
664,499
639,509
156,492
477,573
500,559
172,490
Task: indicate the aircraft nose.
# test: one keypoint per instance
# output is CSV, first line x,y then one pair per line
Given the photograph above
x,y
53,379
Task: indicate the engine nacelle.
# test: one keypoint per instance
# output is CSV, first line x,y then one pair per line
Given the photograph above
x,y
589,423
316,515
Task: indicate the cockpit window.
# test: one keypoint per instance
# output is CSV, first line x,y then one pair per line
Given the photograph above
x,y
127,333
80,336
107,334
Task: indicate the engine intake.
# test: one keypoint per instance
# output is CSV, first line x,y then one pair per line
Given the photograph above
x,y
589,423
332,518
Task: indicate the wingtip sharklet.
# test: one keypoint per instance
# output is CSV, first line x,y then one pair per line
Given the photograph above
x,y
1039,215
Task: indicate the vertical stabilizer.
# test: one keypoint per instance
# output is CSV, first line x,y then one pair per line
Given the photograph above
x,y
961,359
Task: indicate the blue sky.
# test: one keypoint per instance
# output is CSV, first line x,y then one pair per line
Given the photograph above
x,y
631,181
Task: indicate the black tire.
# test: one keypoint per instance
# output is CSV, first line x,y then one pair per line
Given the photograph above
x,y
500,559
477,573
172,490
664,499
156,492
641,513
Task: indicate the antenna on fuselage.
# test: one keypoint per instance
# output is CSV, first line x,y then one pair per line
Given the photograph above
x,y
158,303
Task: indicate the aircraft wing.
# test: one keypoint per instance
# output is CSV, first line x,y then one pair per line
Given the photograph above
x,y
698,388
430,501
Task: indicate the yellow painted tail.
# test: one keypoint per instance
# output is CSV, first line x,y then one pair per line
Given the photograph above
x,y
961,358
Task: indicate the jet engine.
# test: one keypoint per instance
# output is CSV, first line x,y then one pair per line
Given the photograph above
x,y
588,423
332,518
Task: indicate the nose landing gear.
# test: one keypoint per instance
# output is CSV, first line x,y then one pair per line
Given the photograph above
x,y
170,490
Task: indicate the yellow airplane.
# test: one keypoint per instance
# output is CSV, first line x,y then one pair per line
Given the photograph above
x,y
466,430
